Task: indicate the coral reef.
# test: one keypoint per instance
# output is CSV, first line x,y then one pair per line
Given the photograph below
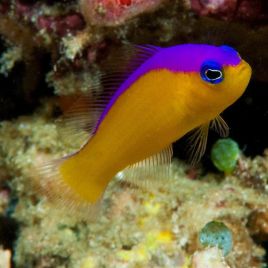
x,y
157,228
60,48
255,10
115,12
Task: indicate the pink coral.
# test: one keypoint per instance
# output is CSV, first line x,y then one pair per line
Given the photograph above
x,y
115,12
231,9
22,8
61,25
33,13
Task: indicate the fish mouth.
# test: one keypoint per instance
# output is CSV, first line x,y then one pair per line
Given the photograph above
x,y
244,68
244,72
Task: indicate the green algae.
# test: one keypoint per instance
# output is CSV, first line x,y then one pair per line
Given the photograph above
x,y
224,154
216,234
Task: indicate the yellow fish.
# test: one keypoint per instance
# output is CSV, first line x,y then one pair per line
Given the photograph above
x,y
169,92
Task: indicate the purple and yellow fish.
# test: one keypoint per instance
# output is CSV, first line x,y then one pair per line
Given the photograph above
x,y
171,91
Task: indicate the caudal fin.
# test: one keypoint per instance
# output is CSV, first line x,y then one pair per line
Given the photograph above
x,y
61,194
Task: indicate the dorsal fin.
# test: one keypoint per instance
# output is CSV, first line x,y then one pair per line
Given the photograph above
x,y
127,59
83,115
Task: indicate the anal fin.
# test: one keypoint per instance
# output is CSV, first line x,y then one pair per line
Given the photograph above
x,y
151,171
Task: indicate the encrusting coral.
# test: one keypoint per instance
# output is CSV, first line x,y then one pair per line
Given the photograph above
x,y
232,9
156,228
115,12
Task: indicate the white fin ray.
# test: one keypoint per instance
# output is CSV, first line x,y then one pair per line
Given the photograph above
x,y
79,121
124,61
199,136
62,196
198,143
130,58
150,171
220,126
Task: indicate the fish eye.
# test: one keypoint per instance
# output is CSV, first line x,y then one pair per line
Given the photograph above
x,y
211,72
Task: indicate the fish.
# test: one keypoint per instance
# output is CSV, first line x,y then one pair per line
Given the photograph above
x,y
161,94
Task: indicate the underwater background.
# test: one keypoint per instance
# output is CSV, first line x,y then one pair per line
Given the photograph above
x,y
214,214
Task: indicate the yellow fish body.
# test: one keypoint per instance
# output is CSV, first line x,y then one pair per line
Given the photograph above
x,y
172,92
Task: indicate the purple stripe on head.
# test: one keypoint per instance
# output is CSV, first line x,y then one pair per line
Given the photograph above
x,y
180,58
190,57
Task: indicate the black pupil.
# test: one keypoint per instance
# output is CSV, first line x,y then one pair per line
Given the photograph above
x,y
213,74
